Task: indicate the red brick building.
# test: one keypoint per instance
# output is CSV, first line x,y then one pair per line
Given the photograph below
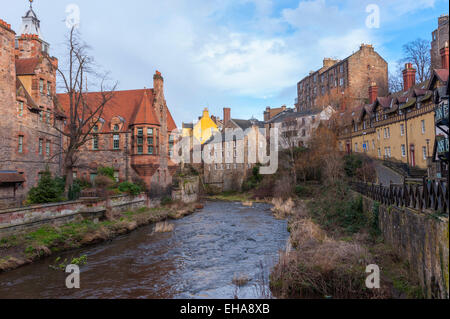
x,y
132,136
29,143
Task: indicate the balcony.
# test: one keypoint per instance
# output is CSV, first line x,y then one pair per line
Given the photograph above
x,y
441,115
442,145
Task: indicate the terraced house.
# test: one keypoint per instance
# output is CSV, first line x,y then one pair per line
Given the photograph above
x,y
29,141
397,127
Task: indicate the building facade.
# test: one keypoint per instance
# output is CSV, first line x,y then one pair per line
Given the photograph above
x,y
439,40
30,142
233,153
133,136
341,81
296,128
399,127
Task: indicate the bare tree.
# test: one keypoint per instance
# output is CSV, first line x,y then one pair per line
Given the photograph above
x,y
289,132
396,79
418,53
83,112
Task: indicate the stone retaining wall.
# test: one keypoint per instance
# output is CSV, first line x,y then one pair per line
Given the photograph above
x,y
422,239
17,220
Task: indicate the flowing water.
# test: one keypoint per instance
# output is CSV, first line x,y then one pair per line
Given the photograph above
x,y
199,259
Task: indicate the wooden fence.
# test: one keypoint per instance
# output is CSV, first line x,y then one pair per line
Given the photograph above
x,y
430,194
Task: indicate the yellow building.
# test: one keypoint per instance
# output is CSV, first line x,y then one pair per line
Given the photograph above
x,y
399,127
204,128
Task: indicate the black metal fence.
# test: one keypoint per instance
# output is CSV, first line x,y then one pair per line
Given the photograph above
x,y
430,194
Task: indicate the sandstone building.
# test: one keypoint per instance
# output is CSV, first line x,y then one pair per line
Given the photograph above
x,y
133,136
296,128
29,143
231,153
347,78
439,40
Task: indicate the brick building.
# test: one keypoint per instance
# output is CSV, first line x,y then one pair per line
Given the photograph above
x,y
29,142
439,40
133,136
343,78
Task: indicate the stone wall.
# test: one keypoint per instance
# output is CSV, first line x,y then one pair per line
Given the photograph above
x,y
422,239
13,221
188,189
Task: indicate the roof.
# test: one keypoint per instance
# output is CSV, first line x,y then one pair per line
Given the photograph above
x,y
11,177
188,125
292,113
145,112
127,105
245,124
26,66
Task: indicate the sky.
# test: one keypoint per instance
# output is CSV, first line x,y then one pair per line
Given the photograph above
x,y
242,54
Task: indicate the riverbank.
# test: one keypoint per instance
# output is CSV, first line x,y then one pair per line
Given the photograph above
x,y
332,241
20,250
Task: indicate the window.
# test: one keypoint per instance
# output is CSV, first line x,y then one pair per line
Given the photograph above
x,y
41,86
356,127
150,131
116,127
93,176
20,108
378,134
341,68
364,125
341,82
402,129
423,126
49,90
303,132
116,176
47,116
95,142
20,143
424,151
171,142
41,142
140,140
95,128
47,148
116,141
403,150
41,111
228,166
373,145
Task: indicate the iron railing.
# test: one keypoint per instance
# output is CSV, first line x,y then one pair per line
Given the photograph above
x,y
430,194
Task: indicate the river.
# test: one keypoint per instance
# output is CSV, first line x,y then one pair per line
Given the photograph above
x,y
199,259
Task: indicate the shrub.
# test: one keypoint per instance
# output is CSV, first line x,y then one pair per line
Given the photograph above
x,y
130,188
48,190
106,171
166,201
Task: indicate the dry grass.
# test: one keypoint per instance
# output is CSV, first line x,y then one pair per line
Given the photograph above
x,y
164,227
240,280
283,208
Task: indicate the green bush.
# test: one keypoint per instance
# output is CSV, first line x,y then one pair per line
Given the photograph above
x,y
48,190
106,171
130,188
351,164
166,201
302,191
253,181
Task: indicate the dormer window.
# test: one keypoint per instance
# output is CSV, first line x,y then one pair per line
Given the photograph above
x,y
116,127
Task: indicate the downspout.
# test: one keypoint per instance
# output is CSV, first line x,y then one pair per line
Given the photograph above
x,y
407,144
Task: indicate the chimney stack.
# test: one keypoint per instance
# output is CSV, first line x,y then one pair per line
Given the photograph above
x,y
158,84
373,92
409,76
444,56
226,116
